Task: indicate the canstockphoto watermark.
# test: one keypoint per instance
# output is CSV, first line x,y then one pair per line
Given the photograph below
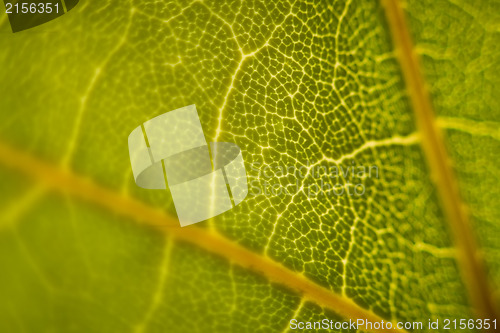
x,y
311,179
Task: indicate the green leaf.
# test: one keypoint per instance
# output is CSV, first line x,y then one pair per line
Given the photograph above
x,y
294,84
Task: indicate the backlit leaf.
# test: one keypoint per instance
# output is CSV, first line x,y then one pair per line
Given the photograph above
x,y
298,86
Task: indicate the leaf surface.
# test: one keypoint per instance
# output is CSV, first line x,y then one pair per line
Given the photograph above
x,y
294,84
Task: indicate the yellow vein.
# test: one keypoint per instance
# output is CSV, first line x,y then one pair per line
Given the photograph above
x,y
62,179
65,8
3,18
19,205
159,291
477,128
84,100
295,314
471,263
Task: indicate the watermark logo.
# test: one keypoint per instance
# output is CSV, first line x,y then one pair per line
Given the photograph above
x,y
26,14
171,150
312,179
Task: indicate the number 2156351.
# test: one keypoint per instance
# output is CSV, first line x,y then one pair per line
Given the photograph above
x,y
469,324
32,8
